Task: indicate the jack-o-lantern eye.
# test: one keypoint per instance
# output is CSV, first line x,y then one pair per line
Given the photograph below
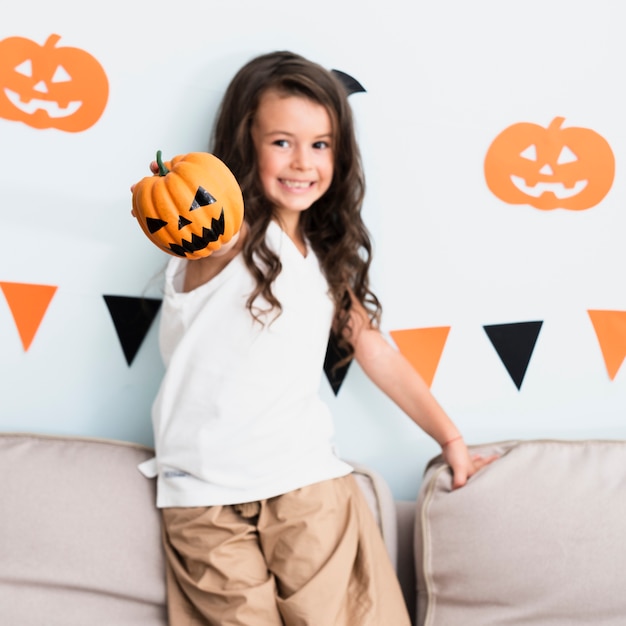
x,y
25,68
154,224
566,156
202,198
61,75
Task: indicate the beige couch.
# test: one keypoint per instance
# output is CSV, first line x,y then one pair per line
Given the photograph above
x,y
80,536
539,537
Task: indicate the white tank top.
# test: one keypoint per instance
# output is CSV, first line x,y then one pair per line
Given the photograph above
x,y
238,416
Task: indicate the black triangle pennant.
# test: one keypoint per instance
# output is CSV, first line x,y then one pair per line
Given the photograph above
x,y
334,355
132,318
514,343
351,84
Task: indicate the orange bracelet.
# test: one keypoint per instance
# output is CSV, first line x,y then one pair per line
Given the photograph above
x,y
443,445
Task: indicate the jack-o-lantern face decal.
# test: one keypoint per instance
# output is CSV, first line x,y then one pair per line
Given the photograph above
x,y
192,207
50,87
550,168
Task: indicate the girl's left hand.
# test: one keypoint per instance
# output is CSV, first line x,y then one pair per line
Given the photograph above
x,y
154,168
464,465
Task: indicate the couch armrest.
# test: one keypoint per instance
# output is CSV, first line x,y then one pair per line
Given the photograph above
x,y
380,500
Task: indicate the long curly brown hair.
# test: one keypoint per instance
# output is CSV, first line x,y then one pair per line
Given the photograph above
x,y
333,225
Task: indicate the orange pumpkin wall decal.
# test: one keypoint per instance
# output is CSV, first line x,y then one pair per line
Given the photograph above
x,y
550,168
50,86
191,207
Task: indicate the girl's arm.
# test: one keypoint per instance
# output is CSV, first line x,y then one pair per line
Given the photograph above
x,y
200,271
399,380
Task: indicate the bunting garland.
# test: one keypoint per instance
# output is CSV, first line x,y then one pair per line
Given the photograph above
x,y
335,370
514,343
423,348
132,318
610,327
28,305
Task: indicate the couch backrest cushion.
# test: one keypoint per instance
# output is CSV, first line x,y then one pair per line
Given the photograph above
x,y
538,537
79,534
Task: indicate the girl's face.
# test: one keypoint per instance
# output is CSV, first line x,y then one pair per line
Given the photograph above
x,y
293,139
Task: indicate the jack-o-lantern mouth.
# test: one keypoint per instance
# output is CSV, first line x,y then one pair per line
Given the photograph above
x,y
197,242
53,109
558,190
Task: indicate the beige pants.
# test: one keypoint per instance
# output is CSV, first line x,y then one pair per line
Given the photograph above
x,y
312,557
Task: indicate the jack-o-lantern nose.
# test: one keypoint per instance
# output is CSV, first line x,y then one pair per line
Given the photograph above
x,y
546,170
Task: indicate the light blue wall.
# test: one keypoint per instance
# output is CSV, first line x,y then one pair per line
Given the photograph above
x,y
442,80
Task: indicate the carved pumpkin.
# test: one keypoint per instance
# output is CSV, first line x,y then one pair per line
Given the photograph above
x,y
550,168
50,87
192,206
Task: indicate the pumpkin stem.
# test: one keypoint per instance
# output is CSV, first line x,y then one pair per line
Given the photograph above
x,y
162,169
555,124
52,41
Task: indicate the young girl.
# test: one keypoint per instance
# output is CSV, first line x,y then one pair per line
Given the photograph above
x,y
263,523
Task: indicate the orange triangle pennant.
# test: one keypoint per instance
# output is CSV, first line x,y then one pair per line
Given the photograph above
x,y
610,327
28,304
422,347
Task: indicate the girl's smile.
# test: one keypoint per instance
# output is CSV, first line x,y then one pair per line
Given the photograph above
x,y
296,184
293,137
